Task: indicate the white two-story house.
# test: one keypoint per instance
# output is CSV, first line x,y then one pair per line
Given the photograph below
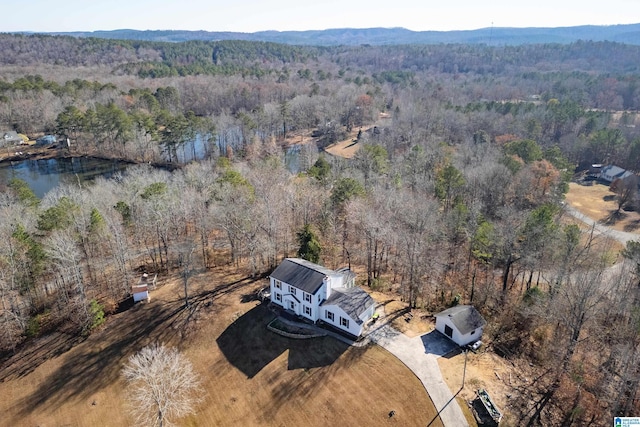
x,y
321,294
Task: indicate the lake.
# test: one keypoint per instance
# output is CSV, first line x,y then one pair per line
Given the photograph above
x,y
45,174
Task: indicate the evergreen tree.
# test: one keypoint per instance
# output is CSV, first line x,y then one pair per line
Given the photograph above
x,y
309,245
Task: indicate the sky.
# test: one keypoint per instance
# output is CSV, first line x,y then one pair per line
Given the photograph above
x,y
284,15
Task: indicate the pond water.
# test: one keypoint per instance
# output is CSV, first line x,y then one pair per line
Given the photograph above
x,y
45,174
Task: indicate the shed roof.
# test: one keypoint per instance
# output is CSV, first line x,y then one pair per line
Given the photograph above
x,y
302,274
464,317
354,301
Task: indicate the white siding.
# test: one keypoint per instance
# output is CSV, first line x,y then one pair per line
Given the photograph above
x,y
354,328
139,296
457,337
298,301
275,291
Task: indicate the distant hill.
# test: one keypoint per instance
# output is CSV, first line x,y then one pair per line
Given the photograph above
x,y
629,34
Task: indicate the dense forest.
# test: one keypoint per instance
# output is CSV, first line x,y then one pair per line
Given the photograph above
x,y
456,197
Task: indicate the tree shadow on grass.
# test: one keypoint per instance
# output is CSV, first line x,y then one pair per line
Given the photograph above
x,y
305,384
614,217
249,346
98,362
632,226
36,352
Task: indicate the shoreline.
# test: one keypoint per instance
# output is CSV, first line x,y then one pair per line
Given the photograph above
x,y
45,153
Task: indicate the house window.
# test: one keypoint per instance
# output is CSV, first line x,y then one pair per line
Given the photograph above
x,y
328,315
448,331
319,297
344,322
307,297
307,310
277,284
292,290
292,305
278,297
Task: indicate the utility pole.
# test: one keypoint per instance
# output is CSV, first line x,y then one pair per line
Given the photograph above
x,y
464,371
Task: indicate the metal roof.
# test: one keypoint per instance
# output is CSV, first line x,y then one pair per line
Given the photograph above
x,y
302,274
354,301
464,317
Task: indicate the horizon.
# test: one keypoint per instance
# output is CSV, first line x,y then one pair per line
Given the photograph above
x,y
323,29
250,16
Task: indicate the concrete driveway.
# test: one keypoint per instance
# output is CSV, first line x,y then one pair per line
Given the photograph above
x,y
420,354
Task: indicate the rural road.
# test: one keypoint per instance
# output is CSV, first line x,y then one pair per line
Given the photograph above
x,y
420,355
621,236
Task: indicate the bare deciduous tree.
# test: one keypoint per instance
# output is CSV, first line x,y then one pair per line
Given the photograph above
x,y
162,384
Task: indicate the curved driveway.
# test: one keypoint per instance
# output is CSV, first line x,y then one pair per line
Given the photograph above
x,y
420,355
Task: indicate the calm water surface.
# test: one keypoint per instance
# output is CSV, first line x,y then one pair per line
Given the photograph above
x,y
45,174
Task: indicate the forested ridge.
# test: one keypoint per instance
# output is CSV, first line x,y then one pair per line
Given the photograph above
x,y
391,36
455,194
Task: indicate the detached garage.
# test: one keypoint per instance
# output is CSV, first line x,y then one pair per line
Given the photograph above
x,y
462,324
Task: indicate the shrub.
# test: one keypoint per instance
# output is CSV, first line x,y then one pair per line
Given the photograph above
x,y
97,314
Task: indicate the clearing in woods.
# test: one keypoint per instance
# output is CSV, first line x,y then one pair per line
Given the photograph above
x,y
349,147
598,203
250,375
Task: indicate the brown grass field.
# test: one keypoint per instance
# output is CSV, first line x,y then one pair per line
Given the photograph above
x,y
597,202
250,376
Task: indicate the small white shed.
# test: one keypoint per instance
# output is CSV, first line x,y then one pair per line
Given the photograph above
x,y
462,324
140,291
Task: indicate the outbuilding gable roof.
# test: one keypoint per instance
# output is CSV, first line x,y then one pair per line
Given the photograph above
x,y
464,317
354,301
302,274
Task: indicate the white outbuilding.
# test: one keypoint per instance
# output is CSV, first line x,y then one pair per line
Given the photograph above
x,y
140,291
462,324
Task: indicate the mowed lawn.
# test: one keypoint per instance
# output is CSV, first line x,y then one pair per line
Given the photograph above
x,y
598,203
250,376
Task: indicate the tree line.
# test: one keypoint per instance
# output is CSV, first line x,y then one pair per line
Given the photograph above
x,y
454,196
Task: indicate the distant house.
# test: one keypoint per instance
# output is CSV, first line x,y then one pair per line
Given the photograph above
x,y
595,170
610,173
462,324
320,294
10,138
46,140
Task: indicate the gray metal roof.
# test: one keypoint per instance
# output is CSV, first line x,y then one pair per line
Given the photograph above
x,y
614,172
354,301
302,274
464,317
